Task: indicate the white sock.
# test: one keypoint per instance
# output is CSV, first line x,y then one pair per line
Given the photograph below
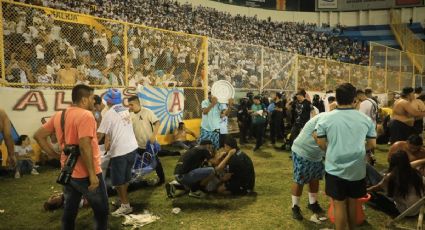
x,y
295,201
312,198
125,205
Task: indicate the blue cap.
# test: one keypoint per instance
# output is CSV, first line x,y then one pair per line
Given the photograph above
x,y
113,96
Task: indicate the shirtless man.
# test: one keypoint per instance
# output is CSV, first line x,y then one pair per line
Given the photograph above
x,y
413,148
6,131
67,75
401,125
180,139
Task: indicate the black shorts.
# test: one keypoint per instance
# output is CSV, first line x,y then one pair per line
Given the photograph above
x,y
399,131
341,189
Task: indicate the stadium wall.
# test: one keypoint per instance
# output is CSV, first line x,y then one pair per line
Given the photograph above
x,y
353,18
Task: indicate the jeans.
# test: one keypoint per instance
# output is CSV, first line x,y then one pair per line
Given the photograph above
x,y
184,144
373,177
192,178
24,166
98,200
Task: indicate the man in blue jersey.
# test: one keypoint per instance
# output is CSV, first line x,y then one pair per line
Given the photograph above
x,y
345,134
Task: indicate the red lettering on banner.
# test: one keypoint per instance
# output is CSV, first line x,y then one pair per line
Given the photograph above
x,y
32,98
176,102
130,91
60,103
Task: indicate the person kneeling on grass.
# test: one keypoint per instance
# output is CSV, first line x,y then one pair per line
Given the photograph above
x,y
239,176
308,168
190,173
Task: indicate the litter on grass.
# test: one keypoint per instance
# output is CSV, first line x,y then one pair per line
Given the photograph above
x,y
139,220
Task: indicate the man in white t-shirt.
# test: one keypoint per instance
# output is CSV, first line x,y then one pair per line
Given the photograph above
x,y
116,123
367,105
39,51
145,126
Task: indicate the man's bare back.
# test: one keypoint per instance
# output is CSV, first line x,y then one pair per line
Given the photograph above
x,y
404,112
414,153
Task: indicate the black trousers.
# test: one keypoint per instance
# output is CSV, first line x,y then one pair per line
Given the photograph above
x,y
221,139
295,131
399,131
276,126
159,170
383,203
258,131
243,132
419,126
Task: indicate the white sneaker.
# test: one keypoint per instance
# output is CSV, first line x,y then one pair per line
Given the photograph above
x,y
36,166
34,172
17,175
121,211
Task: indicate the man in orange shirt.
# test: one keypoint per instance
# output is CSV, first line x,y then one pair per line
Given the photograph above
x,y
86,178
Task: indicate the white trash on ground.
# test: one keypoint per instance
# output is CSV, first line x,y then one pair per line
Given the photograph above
x,y
176,210
139,220
317,219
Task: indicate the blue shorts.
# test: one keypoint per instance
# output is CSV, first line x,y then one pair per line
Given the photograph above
x,y
305,170
121,168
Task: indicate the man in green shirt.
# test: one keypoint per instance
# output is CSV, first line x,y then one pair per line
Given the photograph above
x,y
259,115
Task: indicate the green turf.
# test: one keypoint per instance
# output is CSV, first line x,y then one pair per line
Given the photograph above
x,y
22,199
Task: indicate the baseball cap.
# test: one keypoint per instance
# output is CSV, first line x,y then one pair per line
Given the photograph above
x,y
113,96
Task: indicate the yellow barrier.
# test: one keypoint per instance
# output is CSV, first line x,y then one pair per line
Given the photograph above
x,y
408,41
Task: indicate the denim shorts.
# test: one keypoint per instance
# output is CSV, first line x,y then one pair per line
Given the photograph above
x,y
121,168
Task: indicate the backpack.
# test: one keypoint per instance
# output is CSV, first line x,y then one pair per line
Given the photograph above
x,y
374,113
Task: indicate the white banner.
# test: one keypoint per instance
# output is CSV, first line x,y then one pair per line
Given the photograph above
x,y
327,4
26,108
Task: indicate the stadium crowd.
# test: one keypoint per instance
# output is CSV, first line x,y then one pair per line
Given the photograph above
x,y
288,36
40,50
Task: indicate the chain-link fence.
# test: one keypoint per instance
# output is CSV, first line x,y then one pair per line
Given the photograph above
x,y
279,70
392,69
240,64
164,58
46,48
54,49
311,73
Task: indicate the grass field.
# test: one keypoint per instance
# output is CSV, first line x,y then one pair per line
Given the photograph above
x,y
22,200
